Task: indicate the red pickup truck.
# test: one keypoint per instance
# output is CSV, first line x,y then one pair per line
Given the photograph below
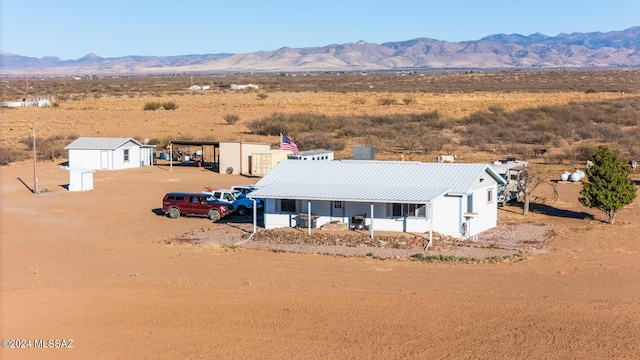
x,y
175,204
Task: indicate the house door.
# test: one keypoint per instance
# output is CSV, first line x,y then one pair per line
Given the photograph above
x,y
337,209
104,159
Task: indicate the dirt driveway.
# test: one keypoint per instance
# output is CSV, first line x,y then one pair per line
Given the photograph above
x,y
96,268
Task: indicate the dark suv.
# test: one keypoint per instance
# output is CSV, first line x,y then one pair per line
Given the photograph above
x,y
175,204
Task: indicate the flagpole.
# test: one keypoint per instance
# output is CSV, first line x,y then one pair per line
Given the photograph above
x,y
280,141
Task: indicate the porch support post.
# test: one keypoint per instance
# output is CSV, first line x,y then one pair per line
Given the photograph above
x,y
170,157
370,226
309,221
430,219
255,215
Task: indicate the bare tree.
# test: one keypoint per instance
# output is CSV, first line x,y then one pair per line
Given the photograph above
x,y
529,181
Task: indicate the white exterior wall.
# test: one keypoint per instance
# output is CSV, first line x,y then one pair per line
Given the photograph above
x,y
229,157
89,159
487,211
80,181
447,215
134,157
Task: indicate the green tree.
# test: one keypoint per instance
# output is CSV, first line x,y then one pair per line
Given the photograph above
x,y
609,186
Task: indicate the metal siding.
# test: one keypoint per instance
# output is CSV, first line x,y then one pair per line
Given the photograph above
x,y
229,157
247,150
262,163
458,177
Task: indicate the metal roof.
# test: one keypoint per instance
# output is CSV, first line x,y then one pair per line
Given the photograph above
x,y
95,143
366,180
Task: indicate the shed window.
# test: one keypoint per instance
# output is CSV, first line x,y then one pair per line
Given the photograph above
x,y
337,204
490,195
287,205
126,155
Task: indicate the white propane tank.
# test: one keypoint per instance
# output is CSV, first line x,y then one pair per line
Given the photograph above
x,y
565,176
582,174
575,177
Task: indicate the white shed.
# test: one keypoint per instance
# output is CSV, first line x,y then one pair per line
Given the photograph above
x,y
80,179
108,153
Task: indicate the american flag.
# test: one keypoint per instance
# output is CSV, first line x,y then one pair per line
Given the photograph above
x,y
287,144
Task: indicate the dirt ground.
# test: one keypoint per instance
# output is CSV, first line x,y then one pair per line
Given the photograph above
x,y
97,268
104,268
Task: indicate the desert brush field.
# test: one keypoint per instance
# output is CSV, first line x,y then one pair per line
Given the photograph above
x,y
106,270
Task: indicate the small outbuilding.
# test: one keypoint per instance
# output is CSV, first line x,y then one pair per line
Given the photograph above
x,y
108,153
235,156
80,179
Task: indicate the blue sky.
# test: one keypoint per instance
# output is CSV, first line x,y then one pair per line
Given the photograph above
x,y
71,29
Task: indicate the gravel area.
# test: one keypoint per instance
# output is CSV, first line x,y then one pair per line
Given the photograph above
x,y
505,240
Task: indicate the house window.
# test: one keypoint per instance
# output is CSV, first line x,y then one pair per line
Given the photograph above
x,y
408,210
126,155
287,205
490,195
337,204
470,203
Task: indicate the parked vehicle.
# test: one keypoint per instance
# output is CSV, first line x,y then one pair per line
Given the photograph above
x,y
245,189
511,170
225,195
244,205
175,204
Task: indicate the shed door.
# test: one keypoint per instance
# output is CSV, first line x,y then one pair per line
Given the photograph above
x,y
104,159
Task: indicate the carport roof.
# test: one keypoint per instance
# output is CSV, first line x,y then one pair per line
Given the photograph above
x,y
195,142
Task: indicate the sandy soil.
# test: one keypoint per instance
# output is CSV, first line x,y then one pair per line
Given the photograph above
x,y
99,268
103,268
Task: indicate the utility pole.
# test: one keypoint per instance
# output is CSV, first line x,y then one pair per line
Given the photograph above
x,y
35,177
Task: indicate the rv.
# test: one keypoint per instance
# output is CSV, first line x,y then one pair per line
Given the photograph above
x,y
511,170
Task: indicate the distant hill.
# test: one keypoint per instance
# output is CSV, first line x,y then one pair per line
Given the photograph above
x,y
615,49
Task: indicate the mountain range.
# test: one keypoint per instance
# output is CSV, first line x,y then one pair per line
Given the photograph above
x,y
595,50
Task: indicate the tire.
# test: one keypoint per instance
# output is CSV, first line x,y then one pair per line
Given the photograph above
x,y
242,211
174,213
214,215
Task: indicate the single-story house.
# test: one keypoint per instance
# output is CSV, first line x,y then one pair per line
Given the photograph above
x,y
458,200
108,153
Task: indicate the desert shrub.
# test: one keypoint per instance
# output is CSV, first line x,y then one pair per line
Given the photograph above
x,y
433,142
152,105
274,124
49,147
169,105
409,101
320,140
231,118
262,95
11,154
584,152
558,158
359,101
387,101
